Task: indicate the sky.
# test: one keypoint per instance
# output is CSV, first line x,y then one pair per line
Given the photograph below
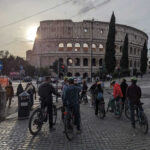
x,y
20,18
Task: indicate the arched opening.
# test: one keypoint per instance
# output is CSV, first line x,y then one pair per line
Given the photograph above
x,y
69,62
93,62
61,46
85,75
69,46
77,47
134,51
134,64
85,47
120,49
69,74
101,47
93,47
101,62
77,74
61,61
85,62
77,62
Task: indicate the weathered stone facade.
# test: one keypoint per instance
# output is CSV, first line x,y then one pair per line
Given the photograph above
x,y
72,42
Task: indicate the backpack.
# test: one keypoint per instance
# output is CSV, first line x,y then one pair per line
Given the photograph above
x,y
100,96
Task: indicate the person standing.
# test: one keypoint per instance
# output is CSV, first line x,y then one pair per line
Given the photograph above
x,y
134,94
45,91
124,87
71,101
84,91
19,89
9,92
30,89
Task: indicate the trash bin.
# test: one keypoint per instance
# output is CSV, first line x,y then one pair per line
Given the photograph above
x,y
2,103
23,105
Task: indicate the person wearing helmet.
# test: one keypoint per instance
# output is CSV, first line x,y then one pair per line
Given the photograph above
x,y
124,87
134,94
117,93
71,101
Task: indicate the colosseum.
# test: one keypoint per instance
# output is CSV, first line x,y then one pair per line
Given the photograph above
x,y
80,45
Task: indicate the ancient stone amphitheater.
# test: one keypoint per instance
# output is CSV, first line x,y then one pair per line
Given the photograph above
x,y
78,44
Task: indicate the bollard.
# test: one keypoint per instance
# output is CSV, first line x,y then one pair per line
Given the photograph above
x,y
2,104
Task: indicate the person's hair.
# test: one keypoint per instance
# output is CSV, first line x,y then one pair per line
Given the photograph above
x,y
133,81
124,80
47,78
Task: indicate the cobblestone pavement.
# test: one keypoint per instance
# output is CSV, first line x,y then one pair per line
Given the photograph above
x,y
107,134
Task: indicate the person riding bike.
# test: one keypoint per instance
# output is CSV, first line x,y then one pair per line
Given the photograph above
x,y
117,93
84,89
45,92
71,101
134,94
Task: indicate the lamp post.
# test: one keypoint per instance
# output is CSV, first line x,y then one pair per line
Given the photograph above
x,y
91,48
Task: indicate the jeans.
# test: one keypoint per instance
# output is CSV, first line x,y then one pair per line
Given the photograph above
x,y
132,109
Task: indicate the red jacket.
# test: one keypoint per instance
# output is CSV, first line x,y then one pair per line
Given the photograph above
x,y
117,91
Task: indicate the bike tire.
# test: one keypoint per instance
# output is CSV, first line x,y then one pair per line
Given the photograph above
x,y
127,113
68,132
54,114
39,121
144,123
118,109
101,110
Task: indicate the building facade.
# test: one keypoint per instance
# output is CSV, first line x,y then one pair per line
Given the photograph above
x,y
78,44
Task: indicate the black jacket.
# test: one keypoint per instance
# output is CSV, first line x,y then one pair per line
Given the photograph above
x,y
124,87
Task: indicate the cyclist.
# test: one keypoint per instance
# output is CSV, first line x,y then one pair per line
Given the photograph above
x,y
99,97
134,95
71,101
124,87
45,92
117,93
84,89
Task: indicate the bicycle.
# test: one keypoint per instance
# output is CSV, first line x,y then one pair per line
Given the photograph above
x,y
39,117
83,98
69,123
101,109
141,118
116,106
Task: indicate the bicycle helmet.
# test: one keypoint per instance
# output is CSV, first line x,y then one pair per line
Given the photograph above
x,y
133,79
113,82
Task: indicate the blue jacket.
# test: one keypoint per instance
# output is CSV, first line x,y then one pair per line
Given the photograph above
x,y
71,95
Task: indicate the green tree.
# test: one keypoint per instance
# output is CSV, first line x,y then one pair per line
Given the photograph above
x,y
144,59
124,62
110,60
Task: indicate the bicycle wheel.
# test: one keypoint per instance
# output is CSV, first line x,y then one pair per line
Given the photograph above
x,y
127,112
143,123
101,110
69,127
54,114
36,121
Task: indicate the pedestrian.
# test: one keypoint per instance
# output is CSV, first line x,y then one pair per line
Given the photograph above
x,y
134,94
30,89
71,101
9,92
124,87
84,91
99,97
19,89
45,91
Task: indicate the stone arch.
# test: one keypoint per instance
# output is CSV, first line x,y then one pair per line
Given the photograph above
x,y
134,51
77,74
85,62
130,50
85,75
93,62
77,62
93,47
61,46
135,64
130,63
77,46
100,62
85,46
69,61
69,46
101,47
69,74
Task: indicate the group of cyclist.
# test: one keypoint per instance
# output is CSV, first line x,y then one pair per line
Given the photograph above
x,y
71,96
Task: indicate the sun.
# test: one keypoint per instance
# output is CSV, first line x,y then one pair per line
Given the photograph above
x,y
31,33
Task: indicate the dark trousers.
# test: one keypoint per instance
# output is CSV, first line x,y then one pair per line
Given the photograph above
x,y
123,101
9,98
132,109
31,100
96,105
76,111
